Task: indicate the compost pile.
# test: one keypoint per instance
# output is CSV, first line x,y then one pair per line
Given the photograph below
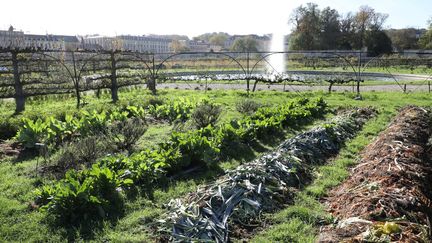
x,y
264,185
387,197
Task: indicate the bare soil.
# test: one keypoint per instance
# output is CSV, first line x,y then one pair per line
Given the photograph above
x,y
9,149
391,184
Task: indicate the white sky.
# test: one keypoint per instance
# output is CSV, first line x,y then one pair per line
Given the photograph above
x,y
189,17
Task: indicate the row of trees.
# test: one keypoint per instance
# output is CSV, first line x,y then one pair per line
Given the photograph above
x,y
28,73
405,39
316,29
425,41
241,44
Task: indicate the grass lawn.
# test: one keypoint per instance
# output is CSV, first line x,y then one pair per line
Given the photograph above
x,y
21,222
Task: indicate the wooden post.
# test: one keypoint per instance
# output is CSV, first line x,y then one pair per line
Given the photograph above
x,y
248,75
330,86
359,74
76,80
19,90
429,86
114,86
404,88
151,83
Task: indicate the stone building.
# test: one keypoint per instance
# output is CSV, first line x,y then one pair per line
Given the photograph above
x,y
128,43
17,39
145,43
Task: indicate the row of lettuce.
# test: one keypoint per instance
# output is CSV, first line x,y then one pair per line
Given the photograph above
x,y
96,192
55,131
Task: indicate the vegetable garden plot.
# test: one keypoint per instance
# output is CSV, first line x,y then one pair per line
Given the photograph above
x,y
388,196
241,196
83,194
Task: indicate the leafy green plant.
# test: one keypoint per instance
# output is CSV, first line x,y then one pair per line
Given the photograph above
x,y
179,109
155,101
195,147
9,127
81,196
94,122
135,111
90,193
55,132
32,132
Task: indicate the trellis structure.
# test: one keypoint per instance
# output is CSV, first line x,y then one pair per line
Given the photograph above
x,y
34,72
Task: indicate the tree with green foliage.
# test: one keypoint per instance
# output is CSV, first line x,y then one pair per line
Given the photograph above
x,y
178,46
218,39
366,21
330,29
316,29
377,42
245,44
403,39
425,41
347,32
306,20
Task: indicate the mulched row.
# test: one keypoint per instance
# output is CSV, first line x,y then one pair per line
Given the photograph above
x,y
388,196
233,205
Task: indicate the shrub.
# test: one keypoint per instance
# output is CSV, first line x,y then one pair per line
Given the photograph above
x,y
155,101
247,106
84,151
206,114
124,134
8,127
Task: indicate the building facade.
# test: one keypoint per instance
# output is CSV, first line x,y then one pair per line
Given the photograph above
x,y
145,43
128,43
18,40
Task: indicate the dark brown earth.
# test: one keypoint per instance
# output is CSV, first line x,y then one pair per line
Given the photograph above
x,y
9,149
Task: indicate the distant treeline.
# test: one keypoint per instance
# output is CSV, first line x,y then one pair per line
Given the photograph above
x,y
326,29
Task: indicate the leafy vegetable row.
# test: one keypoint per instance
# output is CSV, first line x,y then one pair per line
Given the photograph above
x,y
179,109
90,192
54,131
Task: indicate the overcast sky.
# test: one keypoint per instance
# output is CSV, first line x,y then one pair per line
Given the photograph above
x,y
187,17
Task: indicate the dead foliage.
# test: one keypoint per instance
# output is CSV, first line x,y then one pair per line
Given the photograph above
x,y
234,204
388,195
